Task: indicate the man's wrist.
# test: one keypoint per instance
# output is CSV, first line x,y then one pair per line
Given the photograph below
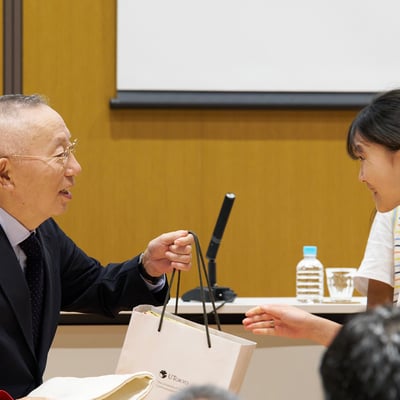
x,y
151,279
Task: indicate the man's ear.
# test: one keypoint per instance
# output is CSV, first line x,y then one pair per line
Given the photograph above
x,y
5,178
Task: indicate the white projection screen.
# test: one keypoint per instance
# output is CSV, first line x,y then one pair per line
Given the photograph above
x,y
255,52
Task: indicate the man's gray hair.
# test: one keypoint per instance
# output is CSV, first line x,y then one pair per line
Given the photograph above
x,y
12,121
21,99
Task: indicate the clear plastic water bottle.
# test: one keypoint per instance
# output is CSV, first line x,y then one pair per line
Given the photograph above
x,y
310,277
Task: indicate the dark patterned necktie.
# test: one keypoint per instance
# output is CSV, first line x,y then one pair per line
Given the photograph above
x,y
34,277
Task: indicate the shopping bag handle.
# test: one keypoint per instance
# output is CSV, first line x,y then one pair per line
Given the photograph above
x,y
202,270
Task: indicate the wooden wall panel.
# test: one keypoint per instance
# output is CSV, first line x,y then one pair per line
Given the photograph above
x,y
150,171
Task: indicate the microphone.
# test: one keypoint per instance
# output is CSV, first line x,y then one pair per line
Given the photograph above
x,y
220,226
217,236
219,292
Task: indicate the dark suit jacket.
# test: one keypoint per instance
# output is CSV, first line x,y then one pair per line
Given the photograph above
x,y
73,282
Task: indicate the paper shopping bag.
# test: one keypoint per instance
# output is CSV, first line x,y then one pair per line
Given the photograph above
x,y
107,387
178,355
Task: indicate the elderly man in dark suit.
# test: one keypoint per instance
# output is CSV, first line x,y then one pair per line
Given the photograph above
x,y
42,271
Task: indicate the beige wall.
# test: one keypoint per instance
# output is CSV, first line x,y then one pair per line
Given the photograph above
x,y
150,171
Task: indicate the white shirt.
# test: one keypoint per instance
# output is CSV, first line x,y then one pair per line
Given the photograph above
x,y
378,261
16,233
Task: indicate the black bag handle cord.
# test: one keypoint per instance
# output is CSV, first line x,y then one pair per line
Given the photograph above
x,y
202,271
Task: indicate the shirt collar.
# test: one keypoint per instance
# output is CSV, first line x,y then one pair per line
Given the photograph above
x,y
13,229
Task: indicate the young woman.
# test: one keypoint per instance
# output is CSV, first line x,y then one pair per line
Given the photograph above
x,y
373,139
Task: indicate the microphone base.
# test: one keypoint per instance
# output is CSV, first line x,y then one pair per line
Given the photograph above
x,y
220,293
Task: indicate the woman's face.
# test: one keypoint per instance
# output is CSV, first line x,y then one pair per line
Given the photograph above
x,y
380,171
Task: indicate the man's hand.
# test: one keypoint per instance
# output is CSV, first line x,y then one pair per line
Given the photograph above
x,y
172,250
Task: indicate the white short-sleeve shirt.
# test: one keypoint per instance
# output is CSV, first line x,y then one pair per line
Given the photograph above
x,y
378,261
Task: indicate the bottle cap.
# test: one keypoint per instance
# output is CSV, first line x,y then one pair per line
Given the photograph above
x,y
310,250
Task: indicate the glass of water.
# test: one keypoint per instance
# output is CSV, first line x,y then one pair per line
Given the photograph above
x,y
340,282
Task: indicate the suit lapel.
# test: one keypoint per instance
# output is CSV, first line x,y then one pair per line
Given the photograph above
x,y
13,284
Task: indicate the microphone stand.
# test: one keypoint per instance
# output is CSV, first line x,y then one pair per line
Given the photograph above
x,y
220,293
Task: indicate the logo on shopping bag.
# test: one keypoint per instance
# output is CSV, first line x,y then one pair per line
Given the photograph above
x,y
173,379
163,374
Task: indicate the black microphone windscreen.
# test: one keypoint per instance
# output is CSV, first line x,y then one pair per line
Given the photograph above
x,y
220,225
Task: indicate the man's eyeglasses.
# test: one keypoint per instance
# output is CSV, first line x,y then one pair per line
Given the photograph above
x,y
61,158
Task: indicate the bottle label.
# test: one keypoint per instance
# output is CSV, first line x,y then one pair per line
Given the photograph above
x,y
310,283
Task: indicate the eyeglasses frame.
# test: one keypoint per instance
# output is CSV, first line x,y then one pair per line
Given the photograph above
x,y
63,156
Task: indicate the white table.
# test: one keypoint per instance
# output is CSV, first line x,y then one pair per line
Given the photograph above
x,y
241,304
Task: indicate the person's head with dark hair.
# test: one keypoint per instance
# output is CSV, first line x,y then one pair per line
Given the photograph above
x,y
363,361
203,392
378,122
374,139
